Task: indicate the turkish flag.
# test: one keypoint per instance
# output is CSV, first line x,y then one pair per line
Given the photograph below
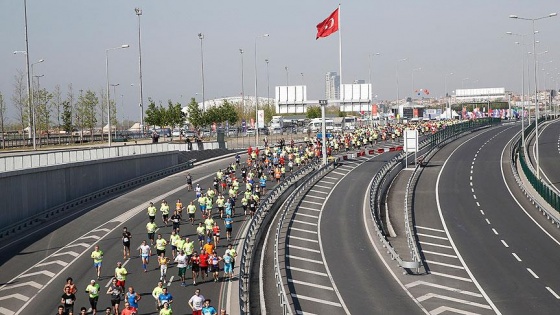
x,y
328,26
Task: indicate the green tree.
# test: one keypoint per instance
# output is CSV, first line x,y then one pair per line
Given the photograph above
x,y
229,113
20,101
313,112
269,111
43,112
155,115
174,115
67,117
87,109
70,100
194,114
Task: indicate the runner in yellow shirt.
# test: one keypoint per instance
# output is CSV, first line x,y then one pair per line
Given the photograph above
x,y
164,208
97,256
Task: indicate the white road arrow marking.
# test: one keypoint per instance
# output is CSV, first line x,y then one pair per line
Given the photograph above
x,y
448,298
60,262
23,284
14,296
66,253
6,311
42,272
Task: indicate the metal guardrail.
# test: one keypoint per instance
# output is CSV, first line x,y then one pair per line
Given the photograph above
x,y
379,186
287,307
261,216
516,153
38,159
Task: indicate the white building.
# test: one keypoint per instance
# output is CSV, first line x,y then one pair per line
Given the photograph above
x,y
332,86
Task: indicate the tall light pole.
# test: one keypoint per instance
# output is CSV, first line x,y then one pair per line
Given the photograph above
x,y
267,83
397,75
536,88
370,70
201,37
115,101
242,82
414,70
32,108
447,104
463,82
29,91
256,93
38,77
139,13
108,99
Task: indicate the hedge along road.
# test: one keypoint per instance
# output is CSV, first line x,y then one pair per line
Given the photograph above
x,y
33,278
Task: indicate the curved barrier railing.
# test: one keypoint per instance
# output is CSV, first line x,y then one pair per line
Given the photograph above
x,y
548,194
380,184
285,300
260,218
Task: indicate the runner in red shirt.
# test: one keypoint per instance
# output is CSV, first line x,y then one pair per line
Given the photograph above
x,y
203,264
250,150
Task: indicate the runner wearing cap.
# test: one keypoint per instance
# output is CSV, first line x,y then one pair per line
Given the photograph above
x,y
93,293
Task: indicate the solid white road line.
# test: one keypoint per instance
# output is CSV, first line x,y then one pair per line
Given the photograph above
x,y
308,271
532,273
432,236
307,215
439,286
303,222
437,245
302,239
303,230
444,264
318,286
305,259
451,276
439,254
304,248
553,293
303,297
429,229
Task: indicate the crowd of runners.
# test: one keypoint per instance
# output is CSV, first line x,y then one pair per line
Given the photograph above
x,y
210,256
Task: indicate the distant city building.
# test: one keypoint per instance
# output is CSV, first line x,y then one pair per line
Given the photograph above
x,y
332,86
359,81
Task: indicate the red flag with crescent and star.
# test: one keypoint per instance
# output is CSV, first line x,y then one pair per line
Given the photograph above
x,y
328,26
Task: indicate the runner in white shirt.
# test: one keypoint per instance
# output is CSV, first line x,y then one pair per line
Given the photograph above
x,y
181,261
145,253
196,301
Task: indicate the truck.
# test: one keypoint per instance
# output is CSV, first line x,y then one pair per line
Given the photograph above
x,y
276,124
315,125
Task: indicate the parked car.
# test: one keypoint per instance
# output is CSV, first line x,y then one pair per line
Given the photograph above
x,y
176,132
250,132
189,134
205,133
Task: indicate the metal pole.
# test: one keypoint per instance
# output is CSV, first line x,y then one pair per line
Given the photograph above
x,y
256,100
108,100
323,103
536,103
242,82
139,13
267,83
201,37
115,101
29,91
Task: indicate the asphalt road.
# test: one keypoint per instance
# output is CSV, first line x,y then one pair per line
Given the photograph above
x,y
34,274
511,255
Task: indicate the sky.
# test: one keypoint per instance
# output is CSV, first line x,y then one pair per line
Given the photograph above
x,y
466,38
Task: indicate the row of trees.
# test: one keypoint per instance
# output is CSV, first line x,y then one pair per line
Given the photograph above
x,y
54,111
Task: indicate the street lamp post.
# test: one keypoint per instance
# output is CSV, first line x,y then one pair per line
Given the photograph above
x,y
32,108
536,88
267,83
397,75
38,77
108,99
201,37
447,104
242,82
370,69
139,13
114,101
256,93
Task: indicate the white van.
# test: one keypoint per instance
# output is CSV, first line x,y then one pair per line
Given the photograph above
x,y
315,125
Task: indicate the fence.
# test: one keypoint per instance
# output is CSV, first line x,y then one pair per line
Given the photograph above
x,y
37,159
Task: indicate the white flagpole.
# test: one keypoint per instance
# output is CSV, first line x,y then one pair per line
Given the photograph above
x,y
339,54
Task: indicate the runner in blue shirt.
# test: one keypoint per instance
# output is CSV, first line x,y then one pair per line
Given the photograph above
x,y
164,297
207,309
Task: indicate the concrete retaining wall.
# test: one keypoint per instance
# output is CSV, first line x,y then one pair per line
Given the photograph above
x,y
26,193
